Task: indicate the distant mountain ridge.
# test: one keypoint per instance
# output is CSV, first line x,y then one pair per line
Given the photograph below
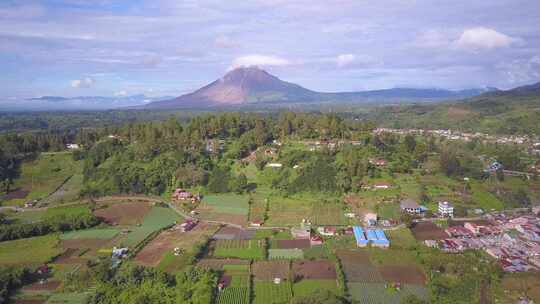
x,y
59,103
252,85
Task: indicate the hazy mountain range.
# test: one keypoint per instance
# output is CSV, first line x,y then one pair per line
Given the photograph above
x,y
58,103
254,86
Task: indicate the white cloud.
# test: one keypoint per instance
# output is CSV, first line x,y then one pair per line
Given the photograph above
x,y
86,82
260,60
121,93
345,59
483,38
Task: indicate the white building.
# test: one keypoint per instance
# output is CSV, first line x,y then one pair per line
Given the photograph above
x,y
446,209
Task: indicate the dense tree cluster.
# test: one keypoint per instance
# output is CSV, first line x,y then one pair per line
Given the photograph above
x,y
11,278
54,223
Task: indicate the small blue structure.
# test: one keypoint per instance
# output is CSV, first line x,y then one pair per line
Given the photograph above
x,y
382,240
360,237
370,234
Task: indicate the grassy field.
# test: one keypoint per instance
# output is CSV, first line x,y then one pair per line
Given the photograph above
x,y
70,210
285,254
158,218
31,252
227,203
288,211
308,287
242,249
484,199
97,233
328,213
43,176
26,216
401,238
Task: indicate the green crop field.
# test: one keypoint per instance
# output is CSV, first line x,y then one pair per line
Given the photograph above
x,y
68,210
328,213
387,257
27,216
233,295
401,238
31,252
485,199
158,218
243,249
285,254
97,233
68,192
377,293
308,287
227,203
270,293
43,176
288,211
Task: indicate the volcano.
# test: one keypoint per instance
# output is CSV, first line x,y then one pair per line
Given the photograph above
x,y
252,85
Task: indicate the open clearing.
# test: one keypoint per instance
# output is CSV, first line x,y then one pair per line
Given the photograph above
x,y
314,270
167,240
97,233
428,231
243,249
30,252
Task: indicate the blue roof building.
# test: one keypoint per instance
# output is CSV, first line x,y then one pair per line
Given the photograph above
x,y
360,237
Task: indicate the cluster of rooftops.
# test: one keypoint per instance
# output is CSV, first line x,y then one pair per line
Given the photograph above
x,y
376,237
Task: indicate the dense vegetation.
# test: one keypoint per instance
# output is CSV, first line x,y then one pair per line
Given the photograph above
x,y
55,222
11,278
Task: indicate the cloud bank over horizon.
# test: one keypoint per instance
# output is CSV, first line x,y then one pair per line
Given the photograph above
x,y
166,47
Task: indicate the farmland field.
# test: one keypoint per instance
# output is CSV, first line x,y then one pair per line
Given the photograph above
x,y
308,287
42,176
288,211
401,238
314,270
270,293
284,254
403,274
156,219
153,253
328,213
358,267
243,249
377,293
96,233
218,264
484,199
71,298
227,203
233,295
31,252
124,213
268,270
428,231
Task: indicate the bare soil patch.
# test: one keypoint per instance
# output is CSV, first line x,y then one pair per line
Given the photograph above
x,y
233,233
292,244
16,194
403,274
217,264
167,240
268,270
70,256
315,270
49,286
124,213
428,231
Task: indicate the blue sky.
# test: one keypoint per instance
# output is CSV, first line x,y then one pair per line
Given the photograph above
x,y
168,47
